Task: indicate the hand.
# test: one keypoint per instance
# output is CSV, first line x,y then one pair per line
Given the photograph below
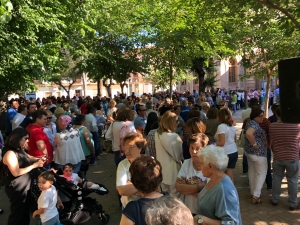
x,y
60,205
255,147
34,214
39,163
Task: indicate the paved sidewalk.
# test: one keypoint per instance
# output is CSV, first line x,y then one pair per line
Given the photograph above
x,y
262,214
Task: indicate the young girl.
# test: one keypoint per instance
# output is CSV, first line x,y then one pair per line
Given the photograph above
x,y
69,174
48,200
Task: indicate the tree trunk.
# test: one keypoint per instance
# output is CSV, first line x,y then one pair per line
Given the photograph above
x,y
201,82
171,72
98,87
122,87
84,79
269,74
267,95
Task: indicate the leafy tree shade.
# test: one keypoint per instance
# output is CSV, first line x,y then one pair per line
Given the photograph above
x,y
5,11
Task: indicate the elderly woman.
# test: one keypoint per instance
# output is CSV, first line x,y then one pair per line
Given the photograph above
x,y
17,165
190,180
256,153
226,137
68,146
168,210
133,143
169,151
146,177
218,202
212,124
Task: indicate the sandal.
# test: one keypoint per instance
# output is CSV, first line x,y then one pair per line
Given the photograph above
x,y
256,200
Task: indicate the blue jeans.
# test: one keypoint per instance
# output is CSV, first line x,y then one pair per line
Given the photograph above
x,y
234,107
291,167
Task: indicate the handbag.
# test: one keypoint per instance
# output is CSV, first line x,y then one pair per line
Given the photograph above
x,y
242,139
179,163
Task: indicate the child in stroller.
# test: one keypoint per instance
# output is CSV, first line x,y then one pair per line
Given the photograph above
x,y
68,173
81,207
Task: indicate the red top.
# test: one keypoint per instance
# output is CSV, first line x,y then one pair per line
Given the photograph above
x,y
37,134
83,109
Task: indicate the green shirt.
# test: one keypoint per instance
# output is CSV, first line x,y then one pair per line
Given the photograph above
x,y
234,98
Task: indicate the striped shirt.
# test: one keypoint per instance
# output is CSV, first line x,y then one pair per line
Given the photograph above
x,y
285,141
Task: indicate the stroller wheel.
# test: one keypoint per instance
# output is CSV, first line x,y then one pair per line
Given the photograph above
x,y
104,217
66,222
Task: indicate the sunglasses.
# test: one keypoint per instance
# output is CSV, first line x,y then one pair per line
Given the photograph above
x,y
49,118
143,110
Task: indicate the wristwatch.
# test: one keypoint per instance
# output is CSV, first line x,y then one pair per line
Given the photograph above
x,y
200,219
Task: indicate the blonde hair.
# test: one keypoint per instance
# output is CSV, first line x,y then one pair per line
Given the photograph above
x,y
167,121
58,112
112,103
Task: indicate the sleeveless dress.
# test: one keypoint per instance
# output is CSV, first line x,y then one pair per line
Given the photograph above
x,y
17,190
84,146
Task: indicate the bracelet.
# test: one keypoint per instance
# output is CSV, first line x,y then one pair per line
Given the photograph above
x,y
255,144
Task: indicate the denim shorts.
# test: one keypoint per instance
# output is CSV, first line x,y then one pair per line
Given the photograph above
x,y
233,157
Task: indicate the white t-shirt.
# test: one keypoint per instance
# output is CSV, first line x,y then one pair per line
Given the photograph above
x,y
191,176
48,200
74,178
17,120
230,145
123,176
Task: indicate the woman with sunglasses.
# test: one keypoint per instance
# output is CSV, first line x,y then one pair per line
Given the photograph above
x,y
256,152
133,144
17,165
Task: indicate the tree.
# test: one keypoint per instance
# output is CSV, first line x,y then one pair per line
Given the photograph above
x,y
5,11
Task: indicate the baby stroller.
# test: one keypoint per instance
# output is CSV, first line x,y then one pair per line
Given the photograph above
x,y
82,206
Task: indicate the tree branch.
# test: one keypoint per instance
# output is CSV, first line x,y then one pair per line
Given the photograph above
x,y
281,9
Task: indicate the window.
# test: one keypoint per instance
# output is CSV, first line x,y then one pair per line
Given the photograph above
x,y
231,74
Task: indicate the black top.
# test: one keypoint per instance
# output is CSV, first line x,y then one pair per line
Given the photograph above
x,y
27,120
135,210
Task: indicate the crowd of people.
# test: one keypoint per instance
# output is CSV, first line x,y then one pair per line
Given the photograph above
x,y
184,147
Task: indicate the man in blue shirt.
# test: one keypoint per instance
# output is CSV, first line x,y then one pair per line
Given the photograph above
x,y
141,120
184,110
11,112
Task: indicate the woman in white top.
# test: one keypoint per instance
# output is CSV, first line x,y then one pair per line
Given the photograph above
x,y
125,115
190,180
169,152
68,145
226,137
133,144
111,109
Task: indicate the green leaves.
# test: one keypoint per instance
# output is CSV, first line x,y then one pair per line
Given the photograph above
x,y
5,11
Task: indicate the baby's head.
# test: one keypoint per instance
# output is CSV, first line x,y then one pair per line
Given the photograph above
x,y
68,169
45,180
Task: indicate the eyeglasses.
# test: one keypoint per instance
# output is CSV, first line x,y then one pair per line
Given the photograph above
x,y
129,148
261,115
222,105
143,110
49,118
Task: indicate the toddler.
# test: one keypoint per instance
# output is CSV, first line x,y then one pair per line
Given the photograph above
x,y
68,173
48,200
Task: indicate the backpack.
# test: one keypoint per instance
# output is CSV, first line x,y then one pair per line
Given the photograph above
x,y
123,132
